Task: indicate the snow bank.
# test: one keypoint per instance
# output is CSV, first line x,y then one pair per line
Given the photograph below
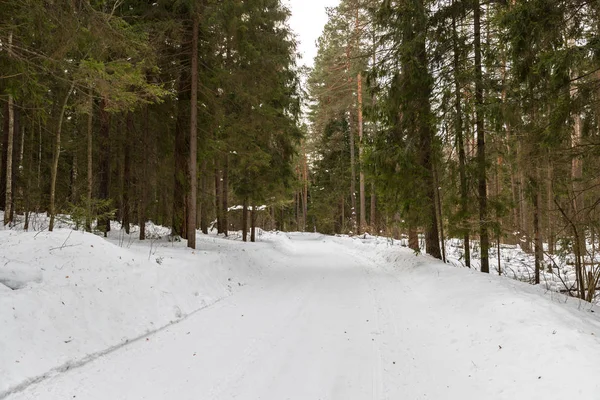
x,y
68,296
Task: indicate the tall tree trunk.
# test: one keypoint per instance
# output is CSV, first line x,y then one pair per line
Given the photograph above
x,y
352,177
537,200
304,187
481,156
203,202
363,209
20,170
15,167
143,182
39,163
28,185
54,171
9,160
3,156
127,180
439,212
225,197
181,174
549,214
74,171
577,175
462,158
182,135
193,168
426,136
104,165
90,172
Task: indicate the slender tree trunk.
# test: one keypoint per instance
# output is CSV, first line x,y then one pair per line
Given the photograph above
x,y
90,172
577,174
193,168
550,219
304,188
225,197
439,212
481,156
8,149
245,220
3,155
74,171
20,170
298,197
54,171
537,200
39,161
462,158
363,210
182,136
143,201
218,194
127,181
426,148
373,217
352,178
9,160
104,164
253,224
343,215
15,158
28,188
203,202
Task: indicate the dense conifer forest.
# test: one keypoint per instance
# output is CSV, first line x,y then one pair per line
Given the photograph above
x,y
432,119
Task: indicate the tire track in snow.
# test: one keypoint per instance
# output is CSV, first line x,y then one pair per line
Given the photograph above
x,y
259,346
78,363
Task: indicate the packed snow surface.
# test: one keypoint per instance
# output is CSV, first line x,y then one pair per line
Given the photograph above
x,y
294,316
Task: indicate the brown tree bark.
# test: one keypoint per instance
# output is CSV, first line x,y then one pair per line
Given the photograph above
x,y
373,217
218,194
143,180
481,156
54,170
203,202
413,239
225,196
193,167
462,158
245,220
361,185
353,221
9,160
537,229
4,155
90,172
104,164
127,179
253,215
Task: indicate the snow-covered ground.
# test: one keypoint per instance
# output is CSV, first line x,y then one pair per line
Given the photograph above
x,y
557,270
295,316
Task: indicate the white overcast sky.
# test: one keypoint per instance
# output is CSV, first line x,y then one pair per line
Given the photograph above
x,y
308,20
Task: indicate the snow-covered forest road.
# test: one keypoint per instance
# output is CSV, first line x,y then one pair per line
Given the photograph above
x,y
330,322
